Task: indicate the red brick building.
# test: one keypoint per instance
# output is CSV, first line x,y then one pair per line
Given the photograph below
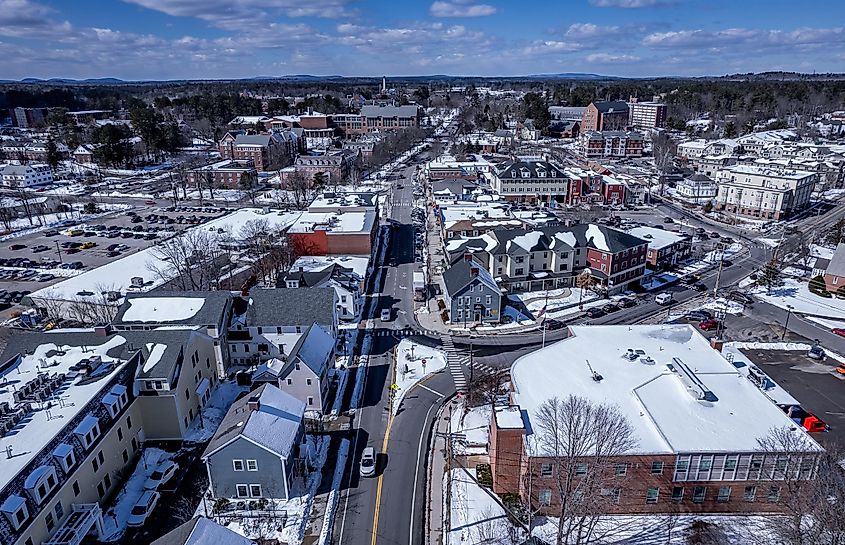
x,y
268,151
227,173
605,116
334,233
696,424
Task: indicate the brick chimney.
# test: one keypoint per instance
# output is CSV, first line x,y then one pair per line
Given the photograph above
x,y
473,271
253,403
467,256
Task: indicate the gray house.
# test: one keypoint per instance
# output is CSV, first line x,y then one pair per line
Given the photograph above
x,y
471,294
252,454
202,531
304,372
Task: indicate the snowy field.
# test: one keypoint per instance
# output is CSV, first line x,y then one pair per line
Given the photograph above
x,y
802,300
475,426
410,371
476,516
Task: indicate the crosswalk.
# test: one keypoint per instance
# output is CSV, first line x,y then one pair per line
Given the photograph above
x,y
455,362
401,333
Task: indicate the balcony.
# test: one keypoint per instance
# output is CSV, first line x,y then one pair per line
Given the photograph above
x,y
78,524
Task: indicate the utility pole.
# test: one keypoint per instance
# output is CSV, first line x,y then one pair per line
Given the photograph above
x,y
718,272
58,250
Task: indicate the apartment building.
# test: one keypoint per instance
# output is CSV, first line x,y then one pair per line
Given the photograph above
x,y
29,117
380,118
766,193
227,173
611,144
20,176
334,233
31,150
268,151
318,128
605,116
530,181
551,257
646,115
665,248
696,423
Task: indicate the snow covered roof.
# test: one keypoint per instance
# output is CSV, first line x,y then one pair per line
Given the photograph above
x,y
202,531
679,395
274,424
313,349
162,309
657,238
317,263
509,418
337,223
836,267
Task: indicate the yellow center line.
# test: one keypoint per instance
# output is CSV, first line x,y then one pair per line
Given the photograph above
x,y
384,450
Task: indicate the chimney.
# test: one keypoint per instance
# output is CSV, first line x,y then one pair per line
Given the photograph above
x,y
467,256
473,271
253,403
102,330
301,269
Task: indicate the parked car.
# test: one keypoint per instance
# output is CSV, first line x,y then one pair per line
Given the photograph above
x,y
839,331
51,233
143,508
40,248
595,312
608,308
149,201
627,302
714,234
163,473
709,325
88,245
385,314
700,287
699,315
740,297
816,352
663,298
16,247
368,462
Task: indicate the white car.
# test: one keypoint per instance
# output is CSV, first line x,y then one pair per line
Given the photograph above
x,y
385,314
143,508
163,473
368,462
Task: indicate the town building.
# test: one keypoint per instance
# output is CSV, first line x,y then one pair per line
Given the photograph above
x,y
380,118
553,256
646,115
202,531
611,144
268,151
255,451
834,272
228,173
765,193
697,189
605,116
334,165
334,233
318,128
471,294
696,426
21,176
26,118
567,113
31,150
665,248
344,274
530,181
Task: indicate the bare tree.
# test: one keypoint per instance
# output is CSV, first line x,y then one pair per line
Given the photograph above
x,y
191,261
809,487
99,308
663,149
300,187
583,442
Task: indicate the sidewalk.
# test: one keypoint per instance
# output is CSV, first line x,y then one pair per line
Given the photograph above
x,y
437,469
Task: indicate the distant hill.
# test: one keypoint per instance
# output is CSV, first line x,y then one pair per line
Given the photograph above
x,y
573,75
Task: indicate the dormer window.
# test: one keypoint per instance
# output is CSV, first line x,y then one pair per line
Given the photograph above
x,y
116,399
15,510
88,431
41,482
64,455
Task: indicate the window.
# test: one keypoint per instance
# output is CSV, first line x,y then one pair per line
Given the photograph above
x,y
651,495
107,481
310,400
100,491
48,520
125,456
677,494
252,465
724,494
730,464
621,469
308,381
129,422
101,457
580,469
75,488
242,490
255,490
774,494
546,470
95,464
698,494
120,434
238,465
656,468
750,493
545,497
705,464
134,444
290,381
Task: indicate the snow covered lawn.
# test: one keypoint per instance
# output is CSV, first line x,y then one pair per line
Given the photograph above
x,y
410,371
476,517
204,425
475,425
114,519
796,294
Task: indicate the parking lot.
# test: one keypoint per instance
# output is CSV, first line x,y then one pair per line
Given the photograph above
x,y
38,260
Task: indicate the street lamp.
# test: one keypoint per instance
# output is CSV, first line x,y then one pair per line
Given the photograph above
x,y
789,309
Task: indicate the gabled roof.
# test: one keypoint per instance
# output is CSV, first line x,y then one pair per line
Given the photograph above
x,y
202,531
459,275
172,307
274,425
514,169
313,349
836,267
292,306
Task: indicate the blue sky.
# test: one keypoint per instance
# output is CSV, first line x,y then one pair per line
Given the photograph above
x,y
175,39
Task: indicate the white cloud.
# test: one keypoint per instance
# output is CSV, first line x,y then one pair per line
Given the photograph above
x,y
629,4
607,58
582,31
752,38
461,8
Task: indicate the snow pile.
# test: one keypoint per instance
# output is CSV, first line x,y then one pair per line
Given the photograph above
x,y
206,423
334,494
474,424
414,362
476,515
162,309
114,519
723,305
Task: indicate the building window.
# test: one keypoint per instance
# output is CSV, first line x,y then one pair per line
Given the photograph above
x,y
698,494
621,469
774,494
255,490
705,464
252,465
310,400
125,456
120,434
724,494
546,470
238,465
129,422
657,468
651,495
242,490
750,493
677,494
580,469
730,464
95,464
545,497
290,381
308,381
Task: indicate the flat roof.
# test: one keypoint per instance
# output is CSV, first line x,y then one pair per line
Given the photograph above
x,y
657,238
316,263
347,222
666,416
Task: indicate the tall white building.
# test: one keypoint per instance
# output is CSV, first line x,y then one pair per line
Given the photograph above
x,y
647,115
767,193
26,175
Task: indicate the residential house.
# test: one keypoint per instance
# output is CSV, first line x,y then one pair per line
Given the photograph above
x,y
834,273
698,189
345,274
530,181
22,176
255,450
660,378
471,294
765,193
565,129
202,531
665,248
605,116
304,372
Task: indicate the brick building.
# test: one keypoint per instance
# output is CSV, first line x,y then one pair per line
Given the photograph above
x,y
611,144
695,420
268,151
605,116
665,248
334,233
646,115
226,173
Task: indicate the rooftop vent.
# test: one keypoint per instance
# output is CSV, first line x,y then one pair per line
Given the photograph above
x,y
694,386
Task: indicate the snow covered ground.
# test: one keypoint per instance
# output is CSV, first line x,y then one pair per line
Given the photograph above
x,y
204,425
410,371
115,517
476,517
475,425
802,300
